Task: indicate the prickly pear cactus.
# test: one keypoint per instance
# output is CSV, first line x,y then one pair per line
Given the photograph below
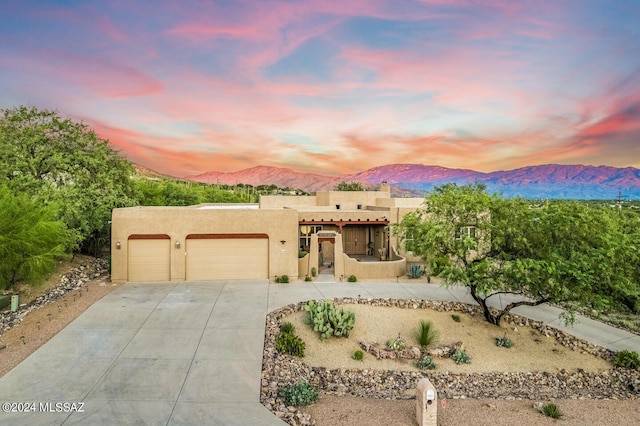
x,y
329,321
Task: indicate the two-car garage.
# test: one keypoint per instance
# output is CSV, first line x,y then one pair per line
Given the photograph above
x,y
207,257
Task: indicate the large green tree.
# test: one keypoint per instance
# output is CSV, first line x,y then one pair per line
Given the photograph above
x,y
63,162
31,239
556,252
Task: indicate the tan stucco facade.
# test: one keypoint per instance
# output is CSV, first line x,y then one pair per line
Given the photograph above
x,y
350,224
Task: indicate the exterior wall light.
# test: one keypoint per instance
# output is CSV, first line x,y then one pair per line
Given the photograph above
x,y
282,242
177,244
118,245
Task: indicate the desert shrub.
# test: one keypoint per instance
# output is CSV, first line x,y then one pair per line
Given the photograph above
x,y
415,271
291,344
425,333
302,393
328,320
396,344
352,279
455,317
461,357
426,363
302,254
282,279
307,278
627,359
314,272
358,355
287,327
504,342
551,410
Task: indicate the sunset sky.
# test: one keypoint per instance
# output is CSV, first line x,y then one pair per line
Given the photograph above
x,y
333,87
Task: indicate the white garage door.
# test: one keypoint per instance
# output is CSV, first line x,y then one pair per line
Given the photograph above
x,y
149,258
235,257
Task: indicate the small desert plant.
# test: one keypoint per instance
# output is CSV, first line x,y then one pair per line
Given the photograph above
x,y
328,320
627,359
314,272
504,342
396,344
425,333
461,357
302,254
307,278
301,393
358,355
287,327
291,344
455,317
282,279
352,279
425,363
415,271
551,410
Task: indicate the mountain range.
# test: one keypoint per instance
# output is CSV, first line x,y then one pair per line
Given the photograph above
x,y
543,181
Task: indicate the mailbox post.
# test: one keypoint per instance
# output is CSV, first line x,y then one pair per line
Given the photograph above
x,y
426,404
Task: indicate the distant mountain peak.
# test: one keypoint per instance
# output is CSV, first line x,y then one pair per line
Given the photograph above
x,y
540,181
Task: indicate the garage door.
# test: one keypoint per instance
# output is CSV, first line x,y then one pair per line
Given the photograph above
x,y
223,257
149,258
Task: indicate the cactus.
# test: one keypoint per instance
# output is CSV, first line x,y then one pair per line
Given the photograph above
x,y
329,321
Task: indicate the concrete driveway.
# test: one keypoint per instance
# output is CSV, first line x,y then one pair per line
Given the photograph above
x,y
190,352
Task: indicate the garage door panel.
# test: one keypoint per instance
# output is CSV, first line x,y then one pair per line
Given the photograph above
x,y
149,260
229,258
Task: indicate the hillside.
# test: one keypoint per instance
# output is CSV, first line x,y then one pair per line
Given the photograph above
x,y
543,181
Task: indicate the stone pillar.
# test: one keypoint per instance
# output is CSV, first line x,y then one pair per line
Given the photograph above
x,y
426,404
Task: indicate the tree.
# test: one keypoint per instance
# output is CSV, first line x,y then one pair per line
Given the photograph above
x,y
62,162
348,186
557,252
31,239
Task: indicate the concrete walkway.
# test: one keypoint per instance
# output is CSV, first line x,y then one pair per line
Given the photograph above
x,y
191,353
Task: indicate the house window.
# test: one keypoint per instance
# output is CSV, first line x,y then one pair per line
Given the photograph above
x,y
359,206
306,231
467,231
337,206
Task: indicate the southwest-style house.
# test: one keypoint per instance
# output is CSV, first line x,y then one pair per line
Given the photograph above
x,y
347,231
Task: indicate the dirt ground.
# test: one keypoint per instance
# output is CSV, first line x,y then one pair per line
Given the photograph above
x,y
42,324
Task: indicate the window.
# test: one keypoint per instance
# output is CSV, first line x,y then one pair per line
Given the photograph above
x,y
467,231
306,231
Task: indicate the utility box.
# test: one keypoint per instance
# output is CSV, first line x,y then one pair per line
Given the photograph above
x,y
426,404
14,303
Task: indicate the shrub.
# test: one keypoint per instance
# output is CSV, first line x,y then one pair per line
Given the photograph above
x,y
329,321
504,342
396,344
415,271
551,410
314,272
352,279
455,317
627,359
291,344
425,333
301,393
426,363
287,327
358,355
307,278
282,278
302,254
461,357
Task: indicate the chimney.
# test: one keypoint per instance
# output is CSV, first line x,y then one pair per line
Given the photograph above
x,y
384,187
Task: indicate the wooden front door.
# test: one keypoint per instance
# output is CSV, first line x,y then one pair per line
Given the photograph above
x,y
355,239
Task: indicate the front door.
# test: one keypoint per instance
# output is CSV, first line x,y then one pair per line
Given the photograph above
x,y
355,240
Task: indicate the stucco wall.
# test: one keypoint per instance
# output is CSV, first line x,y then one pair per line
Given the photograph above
x,y
179,222
374,270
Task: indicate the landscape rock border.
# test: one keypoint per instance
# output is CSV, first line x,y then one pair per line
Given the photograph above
x,y
279,370
72,280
